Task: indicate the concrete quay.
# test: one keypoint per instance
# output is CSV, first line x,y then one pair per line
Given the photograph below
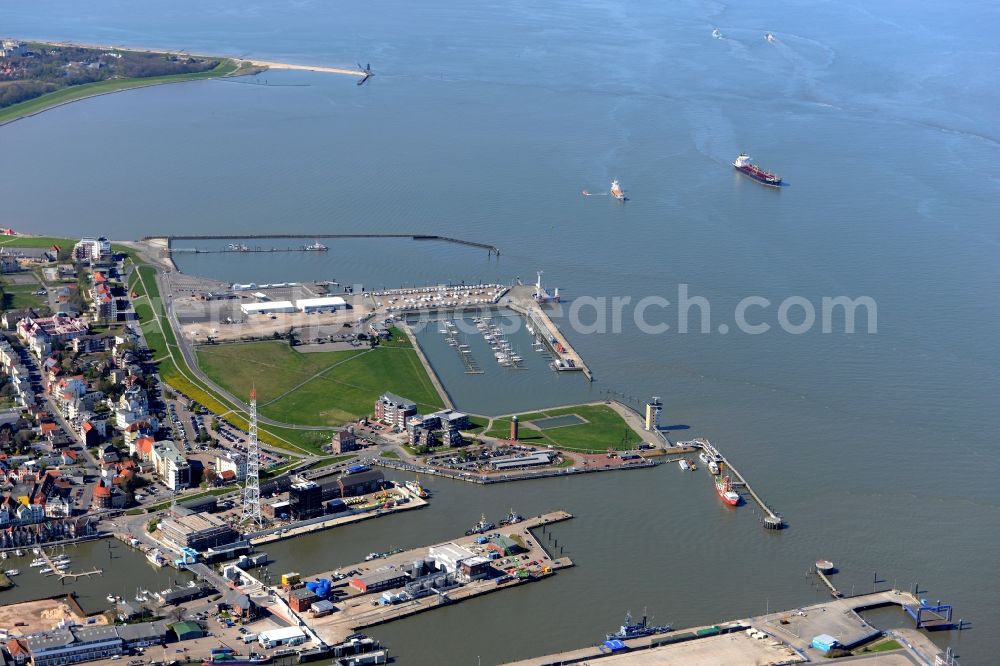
x,y
325,523
357,610
788,639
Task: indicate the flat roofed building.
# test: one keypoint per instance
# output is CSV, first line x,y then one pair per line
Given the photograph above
x,y
380,580
198,530
515,462
352,485
323,304
449,555
271,307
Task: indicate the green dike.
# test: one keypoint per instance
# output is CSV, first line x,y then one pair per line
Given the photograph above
x,y
605,428
165,351
29,107
320,388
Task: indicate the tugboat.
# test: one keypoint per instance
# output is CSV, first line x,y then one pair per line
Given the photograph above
x,y
512,518
616,190
724,487
742,164
481,527
639,629
713,468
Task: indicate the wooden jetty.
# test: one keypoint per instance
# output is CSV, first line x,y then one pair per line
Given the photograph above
x,y
770,519
63,575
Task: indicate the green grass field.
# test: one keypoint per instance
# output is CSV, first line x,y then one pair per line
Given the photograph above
x,y
604,429
325,388
163,345
19,296
73,93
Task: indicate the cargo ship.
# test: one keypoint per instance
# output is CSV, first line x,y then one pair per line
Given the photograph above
x,y
630,629
724,486
616,190
743,164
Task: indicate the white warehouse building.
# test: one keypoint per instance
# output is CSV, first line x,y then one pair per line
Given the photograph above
x,y
324,304
271,307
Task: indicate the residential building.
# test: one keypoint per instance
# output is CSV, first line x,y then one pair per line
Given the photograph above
x,y
171,465
232,462
95,251
102,300
394,410
344,442
107,496
40,334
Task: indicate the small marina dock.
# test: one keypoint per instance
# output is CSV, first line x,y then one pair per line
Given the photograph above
x,y
768,518
63,576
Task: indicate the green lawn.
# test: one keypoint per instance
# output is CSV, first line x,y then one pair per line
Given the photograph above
x,y
604,429
73,93
163,343
883,646
324,388
18,296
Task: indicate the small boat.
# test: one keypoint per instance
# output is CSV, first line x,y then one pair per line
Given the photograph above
x,y
724,487
315,247
616,190
704,457
19,552
46,570
713,468
12,572
156,558
4,555
769,38
372,556
684,465
111,598
38,562
717,33
692,465
36,551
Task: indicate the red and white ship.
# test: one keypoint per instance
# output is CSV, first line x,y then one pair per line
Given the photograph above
x,y
724,486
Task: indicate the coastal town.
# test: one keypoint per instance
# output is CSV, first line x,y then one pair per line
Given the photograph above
x,y
99,444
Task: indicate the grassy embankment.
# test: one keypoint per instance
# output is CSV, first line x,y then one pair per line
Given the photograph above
x,y
29,107
604,428
323,388
173,370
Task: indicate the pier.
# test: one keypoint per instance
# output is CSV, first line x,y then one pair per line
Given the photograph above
x,y
779,638
837,594
357,610
769,519
490,249
521,300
